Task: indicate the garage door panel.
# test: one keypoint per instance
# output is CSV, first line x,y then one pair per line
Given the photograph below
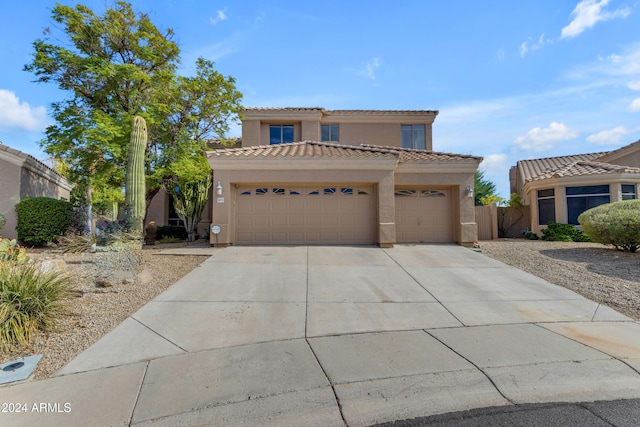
x,y
327,214
423,216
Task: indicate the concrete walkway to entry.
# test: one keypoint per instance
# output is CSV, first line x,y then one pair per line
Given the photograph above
x,y
334,336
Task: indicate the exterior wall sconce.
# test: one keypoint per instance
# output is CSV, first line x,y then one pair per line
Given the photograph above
x,y
469,191
219,189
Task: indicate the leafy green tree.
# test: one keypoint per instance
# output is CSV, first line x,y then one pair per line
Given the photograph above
x,y
189,188
483,188
114,67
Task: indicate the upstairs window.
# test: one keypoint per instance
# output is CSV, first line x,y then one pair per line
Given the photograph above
x,y
330,133
280,134
413,136
629,192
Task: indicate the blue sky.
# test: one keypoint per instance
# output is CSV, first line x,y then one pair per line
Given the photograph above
x,y
512,79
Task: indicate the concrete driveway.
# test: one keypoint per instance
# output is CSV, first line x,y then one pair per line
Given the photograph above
x,y
330,336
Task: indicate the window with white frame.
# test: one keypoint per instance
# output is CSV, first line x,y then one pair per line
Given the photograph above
x,y
280,134
546,206
582,198
330,133
413,136
629,192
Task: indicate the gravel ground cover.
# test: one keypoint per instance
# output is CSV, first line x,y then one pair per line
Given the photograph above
x,y
600,273
105,290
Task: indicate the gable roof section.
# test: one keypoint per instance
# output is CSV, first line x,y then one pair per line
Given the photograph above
x,y
328,149
620,152
535,169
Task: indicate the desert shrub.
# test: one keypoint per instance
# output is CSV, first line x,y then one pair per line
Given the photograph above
x,y
177,231
556,232
29,299
616,224
42,219
530,235
3,221
11,252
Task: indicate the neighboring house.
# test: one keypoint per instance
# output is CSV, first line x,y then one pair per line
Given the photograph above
x,y
561,188
314,176
21,175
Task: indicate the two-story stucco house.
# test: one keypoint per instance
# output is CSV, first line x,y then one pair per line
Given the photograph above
x,y
315,176
560,188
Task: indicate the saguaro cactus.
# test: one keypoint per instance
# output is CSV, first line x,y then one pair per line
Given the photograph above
x,y
135,188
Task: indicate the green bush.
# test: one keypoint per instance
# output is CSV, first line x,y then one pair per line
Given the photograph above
x,y
530,235
165,240
42,219
177,231
556,232
29,299
3,221
616,224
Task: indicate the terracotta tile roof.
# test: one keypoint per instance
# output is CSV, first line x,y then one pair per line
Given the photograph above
x,y
302,149
581,168
534,169
328,149
407,154
342,112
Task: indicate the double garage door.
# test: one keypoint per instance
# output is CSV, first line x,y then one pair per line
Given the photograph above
x,y
337,214
325,214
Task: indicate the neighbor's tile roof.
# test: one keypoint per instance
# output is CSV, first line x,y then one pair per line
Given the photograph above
x,y
535,169
581,168
327,149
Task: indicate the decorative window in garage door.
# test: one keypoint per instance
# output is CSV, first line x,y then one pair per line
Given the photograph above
x,y
348,191
420,193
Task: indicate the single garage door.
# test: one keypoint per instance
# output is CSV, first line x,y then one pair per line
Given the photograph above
x,y
423,216
327,214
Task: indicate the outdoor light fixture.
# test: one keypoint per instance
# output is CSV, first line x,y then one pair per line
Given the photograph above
x,y
469,191
219,189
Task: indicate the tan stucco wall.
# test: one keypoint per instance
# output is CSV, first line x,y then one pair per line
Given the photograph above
x,y
159,208
9,195
35,184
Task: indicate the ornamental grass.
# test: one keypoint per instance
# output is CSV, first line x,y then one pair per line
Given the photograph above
x,y
30,299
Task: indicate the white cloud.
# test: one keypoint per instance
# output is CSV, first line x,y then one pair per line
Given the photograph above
x,y
607,137
634,107
16,114
634,85
494,162
542,139
369,70
501,54
528,45
220,16
588,13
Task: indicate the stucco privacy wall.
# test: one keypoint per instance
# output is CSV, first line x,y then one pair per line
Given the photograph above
x,y
21,175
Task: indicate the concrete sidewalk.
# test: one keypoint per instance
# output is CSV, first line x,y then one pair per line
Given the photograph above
x,y
341,335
